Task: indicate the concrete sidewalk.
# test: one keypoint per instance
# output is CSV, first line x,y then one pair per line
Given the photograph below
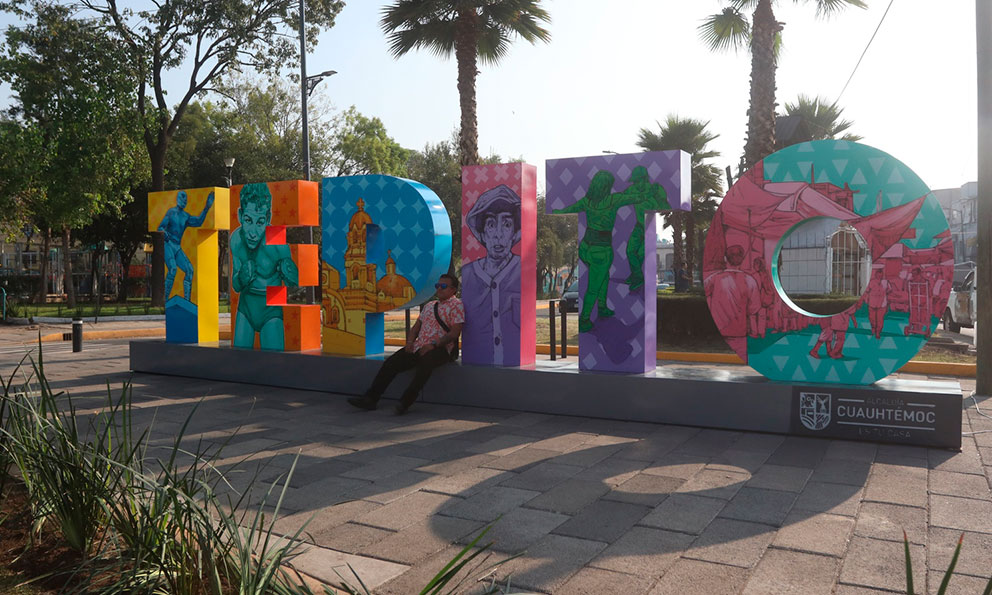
x,y
595,506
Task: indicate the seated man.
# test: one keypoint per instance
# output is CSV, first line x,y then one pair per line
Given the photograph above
x,y
428,346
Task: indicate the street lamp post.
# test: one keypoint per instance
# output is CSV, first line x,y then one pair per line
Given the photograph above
x,y
229,164
983,276
307,85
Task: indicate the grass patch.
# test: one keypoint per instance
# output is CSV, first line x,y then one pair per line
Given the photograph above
x,y
936,354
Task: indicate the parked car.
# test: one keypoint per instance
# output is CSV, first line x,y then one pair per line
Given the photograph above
x,y
570,299
961,306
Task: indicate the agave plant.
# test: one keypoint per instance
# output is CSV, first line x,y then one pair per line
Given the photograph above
x,y
947,574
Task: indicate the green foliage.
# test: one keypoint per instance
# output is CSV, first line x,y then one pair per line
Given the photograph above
x,y
259,122
761,33
557,247
822,119
689,135
66,478
473,30
149,517
163,526
433,25
70,126
362,146
946,580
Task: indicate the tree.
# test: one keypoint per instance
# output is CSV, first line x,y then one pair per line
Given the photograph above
x,y
471,29
691,136
126,229
822,119
75,105
255,121
731,29
362,146
211,40
557,248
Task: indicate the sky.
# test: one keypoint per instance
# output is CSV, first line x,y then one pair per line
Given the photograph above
x,y
608,72
614,67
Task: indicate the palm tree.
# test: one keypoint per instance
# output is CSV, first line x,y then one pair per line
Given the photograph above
x,y
731,29
472,29
691,136
822,119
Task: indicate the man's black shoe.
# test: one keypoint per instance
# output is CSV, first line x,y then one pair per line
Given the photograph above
x,y
362,403
401,409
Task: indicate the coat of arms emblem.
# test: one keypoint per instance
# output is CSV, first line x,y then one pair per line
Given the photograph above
x,y
814,410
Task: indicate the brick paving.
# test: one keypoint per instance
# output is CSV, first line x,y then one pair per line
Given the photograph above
x,y
595,506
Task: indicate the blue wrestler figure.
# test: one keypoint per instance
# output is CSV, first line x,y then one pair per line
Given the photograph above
x,y
174,225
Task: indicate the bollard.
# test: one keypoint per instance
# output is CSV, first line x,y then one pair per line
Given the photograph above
x,y
551,328
564,333
77,335
407,333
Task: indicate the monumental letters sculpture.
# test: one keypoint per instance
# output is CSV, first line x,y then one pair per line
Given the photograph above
x,y
499,264
907,284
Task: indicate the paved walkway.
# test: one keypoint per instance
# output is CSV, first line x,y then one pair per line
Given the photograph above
x,y
596,506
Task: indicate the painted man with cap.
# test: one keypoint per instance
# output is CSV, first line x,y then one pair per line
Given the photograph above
x,y
491,284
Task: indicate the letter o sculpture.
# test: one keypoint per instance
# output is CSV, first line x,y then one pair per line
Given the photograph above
x,y
748,258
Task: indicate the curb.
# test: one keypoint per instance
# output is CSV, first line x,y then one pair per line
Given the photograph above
x,y
912,367
118,334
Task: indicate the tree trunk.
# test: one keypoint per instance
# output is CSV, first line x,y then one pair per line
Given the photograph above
x,y
67,283
126,256
46,244
466,53
761,111
157,155
690,246
678,251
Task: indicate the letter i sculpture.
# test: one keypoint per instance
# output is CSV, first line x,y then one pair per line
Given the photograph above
x,y
191,308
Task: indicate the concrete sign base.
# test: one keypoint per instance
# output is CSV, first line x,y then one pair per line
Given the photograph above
x,y
918,412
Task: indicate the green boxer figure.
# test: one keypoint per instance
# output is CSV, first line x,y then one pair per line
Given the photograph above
x,y
652,198
596,247
257,265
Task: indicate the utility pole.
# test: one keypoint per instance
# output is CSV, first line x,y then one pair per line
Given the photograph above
x,y
303,90
307,84
983,276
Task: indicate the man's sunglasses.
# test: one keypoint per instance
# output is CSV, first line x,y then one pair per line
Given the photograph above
x,y
440,286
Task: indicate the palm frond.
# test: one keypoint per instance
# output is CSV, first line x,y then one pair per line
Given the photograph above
x,y
436,36
822,118
417,24
827,8
727,30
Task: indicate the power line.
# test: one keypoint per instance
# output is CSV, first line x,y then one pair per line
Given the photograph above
x,y
882,20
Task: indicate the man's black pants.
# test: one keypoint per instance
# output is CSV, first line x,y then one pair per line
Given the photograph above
x,y
404,360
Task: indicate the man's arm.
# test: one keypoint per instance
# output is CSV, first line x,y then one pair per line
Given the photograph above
x,y
449,337
288,271
241,276
165,219
198,220
576,207
452,335
412,335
